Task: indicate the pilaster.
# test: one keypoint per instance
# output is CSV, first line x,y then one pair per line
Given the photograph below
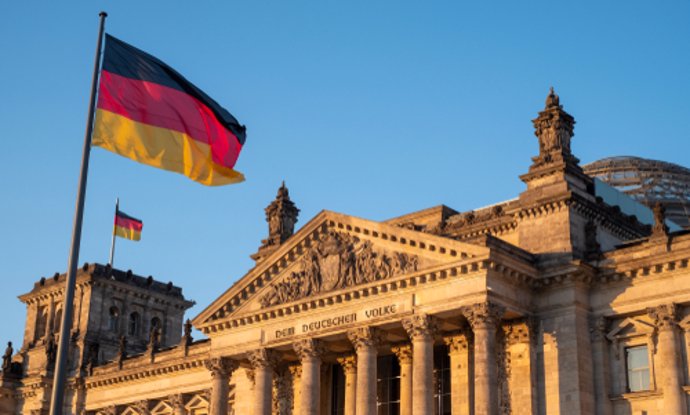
x,y
670,360
460,381
349,365
404,354
521,379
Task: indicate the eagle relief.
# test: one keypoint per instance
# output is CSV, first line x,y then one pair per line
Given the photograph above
x,y
337,261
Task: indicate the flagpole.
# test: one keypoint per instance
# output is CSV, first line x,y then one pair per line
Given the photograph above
x,y
112,243
56,401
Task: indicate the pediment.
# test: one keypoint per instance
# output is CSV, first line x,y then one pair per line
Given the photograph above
x,y
630,327
331,253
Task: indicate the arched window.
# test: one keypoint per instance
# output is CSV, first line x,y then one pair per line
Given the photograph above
x,y
134,324
114,320
57,322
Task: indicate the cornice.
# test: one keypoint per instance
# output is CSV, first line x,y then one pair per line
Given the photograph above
x,y
461,269
148,371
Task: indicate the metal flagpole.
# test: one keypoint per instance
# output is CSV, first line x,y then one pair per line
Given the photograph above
x,y
112,243
58,393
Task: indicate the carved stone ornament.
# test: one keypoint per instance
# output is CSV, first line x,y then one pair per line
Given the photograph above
x,y
364,337
660,228
348,363
516,332
664,316
598,328
483,315
337,261
403,352
308,348
282,394
554,129
263,359
457,343
220,366
420,326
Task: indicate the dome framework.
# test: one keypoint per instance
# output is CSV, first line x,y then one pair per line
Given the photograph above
x,y
648,182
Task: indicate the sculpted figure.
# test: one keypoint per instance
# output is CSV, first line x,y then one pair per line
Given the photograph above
x,y
7,358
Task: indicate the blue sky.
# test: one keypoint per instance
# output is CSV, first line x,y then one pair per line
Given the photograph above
x,y
374,109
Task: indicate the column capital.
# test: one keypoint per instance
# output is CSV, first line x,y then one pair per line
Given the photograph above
x,y
403,352
664,316
517,331
349,363
263,359
308,348
420,326
483,315
221,366
364,337
598,327
457,343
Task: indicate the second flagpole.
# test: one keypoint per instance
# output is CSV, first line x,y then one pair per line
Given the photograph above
x,y
112,243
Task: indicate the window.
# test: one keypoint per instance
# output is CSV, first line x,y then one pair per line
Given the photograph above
x,y
114,319
134,324
41,322
388,385
441,381
637,360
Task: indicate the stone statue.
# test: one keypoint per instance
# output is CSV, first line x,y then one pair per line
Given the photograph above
x,y
51,349
188,332
122,349
660,228
281,216
7,358
154,339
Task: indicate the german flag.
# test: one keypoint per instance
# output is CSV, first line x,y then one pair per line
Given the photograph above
x,y
150,113
127,226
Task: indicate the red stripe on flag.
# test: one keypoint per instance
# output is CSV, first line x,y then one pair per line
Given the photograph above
x,y
165,107
129,223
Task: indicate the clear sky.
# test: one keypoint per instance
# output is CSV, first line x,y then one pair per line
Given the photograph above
x,y
370,108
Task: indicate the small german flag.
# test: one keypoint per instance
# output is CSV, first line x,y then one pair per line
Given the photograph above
x,y
127,226
150,113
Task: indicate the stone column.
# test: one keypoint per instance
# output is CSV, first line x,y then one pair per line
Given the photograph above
x,y
600,363
309,352
421,328
484,318
177,403
349,364
670,362
365,340
263,361
458,350
521,377
404,354
296,373
221,368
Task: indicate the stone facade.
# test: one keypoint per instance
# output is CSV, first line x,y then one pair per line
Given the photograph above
x,y
551,303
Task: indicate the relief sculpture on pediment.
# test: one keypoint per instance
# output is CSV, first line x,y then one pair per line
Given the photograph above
x,y
337,261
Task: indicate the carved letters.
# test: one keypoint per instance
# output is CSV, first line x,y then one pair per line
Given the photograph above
x,y
338,261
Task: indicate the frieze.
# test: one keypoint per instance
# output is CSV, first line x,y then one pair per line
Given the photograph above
x,y
345,319
334,262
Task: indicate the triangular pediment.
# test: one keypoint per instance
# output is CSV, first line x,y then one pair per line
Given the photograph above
x,y
332,253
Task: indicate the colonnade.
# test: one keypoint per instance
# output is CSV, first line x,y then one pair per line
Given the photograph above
x,y
360,369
